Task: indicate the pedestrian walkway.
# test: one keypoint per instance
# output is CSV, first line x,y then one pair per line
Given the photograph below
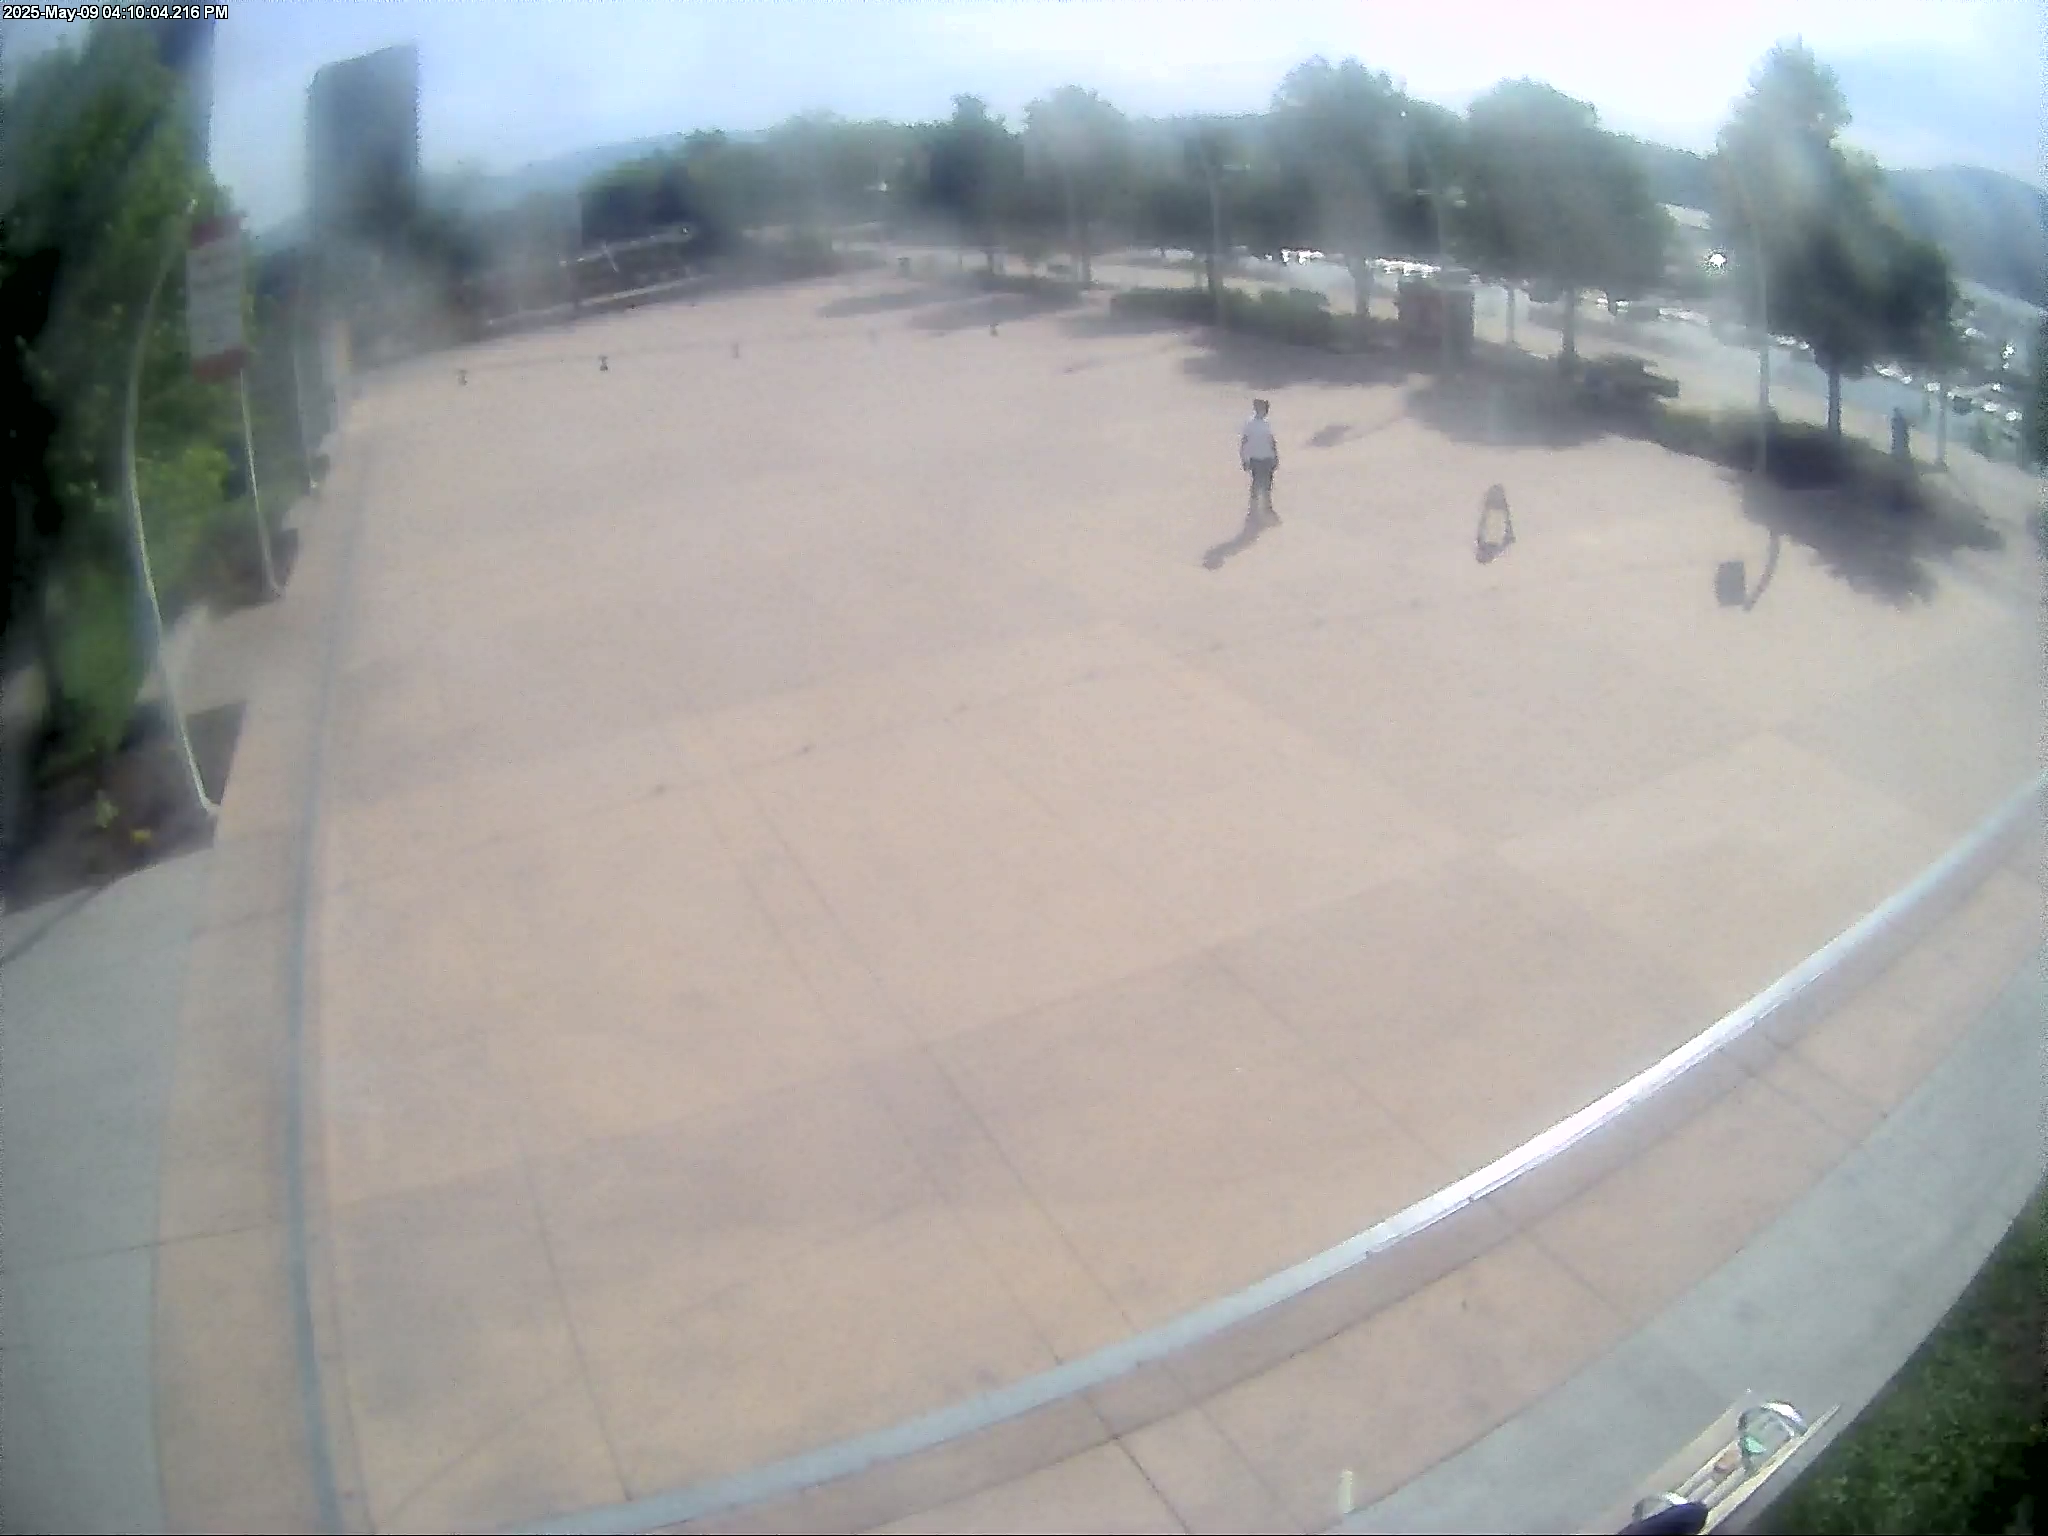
x,y
807,941
91,986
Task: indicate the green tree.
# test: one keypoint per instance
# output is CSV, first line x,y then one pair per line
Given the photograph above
x,y
1840,270
974,165
1547,194
1085,144
1342,129
98,179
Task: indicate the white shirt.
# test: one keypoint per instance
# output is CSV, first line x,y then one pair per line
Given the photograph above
x,y
1256,441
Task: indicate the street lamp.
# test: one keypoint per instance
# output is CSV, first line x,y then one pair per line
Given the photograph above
x,y
1763,317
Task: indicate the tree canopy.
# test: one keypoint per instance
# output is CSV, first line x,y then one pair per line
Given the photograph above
x,y
1548,194
1841,271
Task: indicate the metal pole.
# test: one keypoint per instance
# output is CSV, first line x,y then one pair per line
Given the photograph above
x,y
291,331
255,495
140,548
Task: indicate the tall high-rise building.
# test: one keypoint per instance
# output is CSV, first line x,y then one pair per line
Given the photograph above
x,y
363,145
186,49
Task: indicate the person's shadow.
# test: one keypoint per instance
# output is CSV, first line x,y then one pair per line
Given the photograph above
x,y
1254,525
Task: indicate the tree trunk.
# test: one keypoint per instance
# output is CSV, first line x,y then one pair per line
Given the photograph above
x,y
1073,223
1361,286
1835,401
1569,351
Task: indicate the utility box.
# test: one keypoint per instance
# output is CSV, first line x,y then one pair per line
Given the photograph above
x,y
1426,310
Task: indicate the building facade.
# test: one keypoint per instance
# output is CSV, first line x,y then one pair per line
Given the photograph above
x,y
363,145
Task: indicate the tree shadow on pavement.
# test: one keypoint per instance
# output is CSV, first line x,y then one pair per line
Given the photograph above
x,y
993,309
1514,407
1885,541
1229,358
885,303
1094,322
1254,525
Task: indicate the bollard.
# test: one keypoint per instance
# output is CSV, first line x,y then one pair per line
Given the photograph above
x,y
991,327
462,375
604,364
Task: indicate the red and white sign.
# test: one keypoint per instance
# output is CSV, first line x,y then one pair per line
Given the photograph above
x,y
213,298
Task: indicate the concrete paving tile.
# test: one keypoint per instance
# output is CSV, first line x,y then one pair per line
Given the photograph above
x,y
390,725
1644,1234
1533,706
551,1460
1429,989
1099,1490
1841,1110
980,675
86,1325
1151,1116
1308,832
1467,1353
898,1319
252,878
427,1118
1203,1480
767,730
1643,862
650,1226
1950,735
229,1424
39,1488
968,900
1124,738
968,1166
1891,1035
498,799
394,977
452,1323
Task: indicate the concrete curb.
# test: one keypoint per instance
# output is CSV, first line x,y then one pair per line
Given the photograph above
x,y
972,1445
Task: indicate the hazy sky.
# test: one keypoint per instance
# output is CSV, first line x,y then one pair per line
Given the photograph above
x,y
507,82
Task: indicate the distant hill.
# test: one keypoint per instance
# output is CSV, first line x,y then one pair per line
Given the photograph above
x,y
1994,226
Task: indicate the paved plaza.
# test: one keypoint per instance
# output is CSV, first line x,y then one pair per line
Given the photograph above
x,y
821,906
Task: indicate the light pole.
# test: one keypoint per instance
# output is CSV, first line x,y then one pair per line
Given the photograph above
x,y
1763,318
139,545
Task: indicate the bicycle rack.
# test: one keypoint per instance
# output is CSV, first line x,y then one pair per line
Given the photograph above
x,y
1726,1464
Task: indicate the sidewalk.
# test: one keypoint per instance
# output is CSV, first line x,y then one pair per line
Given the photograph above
x,y
86,1050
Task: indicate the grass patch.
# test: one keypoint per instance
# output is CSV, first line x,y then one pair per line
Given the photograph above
x,y
1956,1441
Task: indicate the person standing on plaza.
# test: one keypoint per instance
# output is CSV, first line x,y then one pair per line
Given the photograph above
x,y
1259,453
